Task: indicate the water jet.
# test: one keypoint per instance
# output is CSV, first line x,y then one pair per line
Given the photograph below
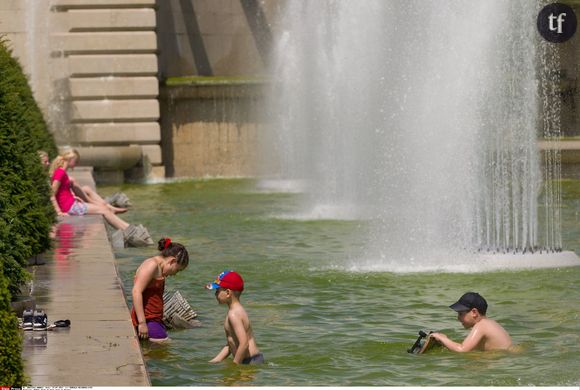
x,y
426,117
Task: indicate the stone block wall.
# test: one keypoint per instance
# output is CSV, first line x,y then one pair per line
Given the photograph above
x,y
110,47
211,131
570,81
215,37
93,67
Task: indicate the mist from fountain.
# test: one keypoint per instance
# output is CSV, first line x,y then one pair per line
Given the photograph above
x,y
421,116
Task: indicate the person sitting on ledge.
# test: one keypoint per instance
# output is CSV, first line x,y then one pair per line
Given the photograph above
x,y
86,193
485,334
65,202
44,160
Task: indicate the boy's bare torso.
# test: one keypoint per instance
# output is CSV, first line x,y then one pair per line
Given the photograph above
x,y
232,340
494,336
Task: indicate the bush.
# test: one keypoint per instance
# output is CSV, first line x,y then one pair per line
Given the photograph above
x,y
11,369
26,213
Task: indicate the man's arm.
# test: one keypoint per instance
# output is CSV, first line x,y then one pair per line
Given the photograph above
x,y
221,355
240,331
469,344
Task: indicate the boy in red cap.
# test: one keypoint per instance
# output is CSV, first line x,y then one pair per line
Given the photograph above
x,y
485,335
239,335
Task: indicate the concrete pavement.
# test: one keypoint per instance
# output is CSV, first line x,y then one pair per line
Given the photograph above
x,y
79,282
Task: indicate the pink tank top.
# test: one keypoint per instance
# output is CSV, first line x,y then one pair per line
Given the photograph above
x,y
64,196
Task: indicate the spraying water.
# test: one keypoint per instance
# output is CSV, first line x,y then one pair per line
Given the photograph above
x,y
422,116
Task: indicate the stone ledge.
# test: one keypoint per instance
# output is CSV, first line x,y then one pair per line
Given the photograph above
x,y
121,133
143,19
101,347
106,42
103,87
110,65
110,157
96,4
111,110
569,149
153,153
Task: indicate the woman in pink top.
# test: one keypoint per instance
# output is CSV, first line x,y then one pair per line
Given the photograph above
x,y
63,199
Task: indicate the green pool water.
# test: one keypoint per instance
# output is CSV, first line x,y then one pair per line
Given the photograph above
x,y
319,325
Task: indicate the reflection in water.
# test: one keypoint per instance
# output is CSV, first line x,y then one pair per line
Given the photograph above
x,y
361,341
156,351
35,339
237,375
67,236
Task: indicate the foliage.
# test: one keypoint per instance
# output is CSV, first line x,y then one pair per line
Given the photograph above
x,y
11,368
26,213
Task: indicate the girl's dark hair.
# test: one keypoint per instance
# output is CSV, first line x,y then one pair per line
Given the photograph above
x,y
169,248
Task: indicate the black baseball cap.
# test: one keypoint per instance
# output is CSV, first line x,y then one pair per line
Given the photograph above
x,y
468,301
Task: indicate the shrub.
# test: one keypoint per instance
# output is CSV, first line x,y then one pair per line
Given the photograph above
x,y
26,213
11,369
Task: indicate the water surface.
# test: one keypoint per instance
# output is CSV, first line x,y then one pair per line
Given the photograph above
x,y
319,324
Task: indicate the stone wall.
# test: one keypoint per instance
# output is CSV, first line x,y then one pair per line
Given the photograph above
x,y
215,37
93,68
570,81
211,131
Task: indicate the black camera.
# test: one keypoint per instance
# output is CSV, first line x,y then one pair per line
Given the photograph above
x,y
416,348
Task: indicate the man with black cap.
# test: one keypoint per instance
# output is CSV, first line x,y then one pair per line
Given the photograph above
x,y
485,335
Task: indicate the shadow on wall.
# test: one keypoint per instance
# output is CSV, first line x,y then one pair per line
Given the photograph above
x,y
211,130
209,38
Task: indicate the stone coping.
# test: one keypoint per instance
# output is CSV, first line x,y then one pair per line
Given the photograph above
x,y
79,282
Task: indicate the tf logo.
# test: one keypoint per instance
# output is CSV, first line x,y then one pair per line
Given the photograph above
x,y
557,22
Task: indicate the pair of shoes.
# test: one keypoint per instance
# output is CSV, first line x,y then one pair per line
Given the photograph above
x,y
40,320
28,319
137,236
118,199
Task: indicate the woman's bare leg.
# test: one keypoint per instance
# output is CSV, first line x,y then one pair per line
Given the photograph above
x,y
95,198
111,218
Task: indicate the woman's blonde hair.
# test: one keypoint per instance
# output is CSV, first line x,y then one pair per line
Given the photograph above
x,y
61,159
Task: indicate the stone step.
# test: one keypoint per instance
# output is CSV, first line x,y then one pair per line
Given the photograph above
x,y
111,65
107,19
95,4
109,87
128,42
121,133
137,110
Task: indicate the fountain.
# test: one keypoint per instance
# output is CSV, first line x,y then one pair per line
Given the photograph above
x,y
422,117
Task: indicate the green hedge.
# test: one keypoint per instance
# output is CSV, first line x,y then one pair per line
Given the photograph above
x,y
26,213
11,369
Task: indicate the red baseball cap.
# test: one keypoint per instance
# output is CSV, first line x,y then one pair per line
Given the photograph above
x,y
227,279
